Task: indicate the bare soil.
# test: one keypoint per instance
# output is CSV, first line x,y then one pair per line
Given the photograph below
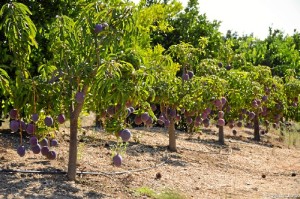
x,y
200,169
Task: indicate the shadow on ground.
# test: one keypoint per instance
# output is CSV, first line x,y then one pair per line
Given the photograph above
x,y
15,185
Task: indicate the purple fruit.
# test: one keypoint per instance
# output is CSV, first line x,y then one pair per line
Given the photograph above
x,y
30,129
198,119
98,28
251,115
185,77
21,151
53,142
160,122
35,117
162,117
79,97
172,113
44,142
231,125
258,102
36,149
206,122
138,120
196,124
48,121
204,115
125,135
190,74
218,103
61,118
178,118
228,67
33,141
221,122
264,98
223,100
207,110
51,155
117,160
220,64
167,123
145,116
153,107
14,125
189,120
220,114
254,104
149,121
13,114
45,150
294,104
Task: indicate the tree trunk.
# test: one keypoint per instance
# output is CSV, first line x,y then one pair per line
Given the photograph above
x,y
73,147
172,136
75,110
256,128
221,135
98,121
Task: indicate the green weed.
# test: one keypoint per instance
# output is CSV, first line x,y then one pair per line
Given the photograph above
x,y
165,194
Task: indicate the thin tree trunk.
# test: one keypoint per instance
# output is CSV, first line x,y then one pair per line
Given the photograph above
x,y
221,135
98,120
172,136
75,110
256,128
73,147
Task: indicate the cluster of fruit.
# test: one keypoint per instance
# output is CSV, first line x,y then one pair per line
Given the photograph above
x,y
42,146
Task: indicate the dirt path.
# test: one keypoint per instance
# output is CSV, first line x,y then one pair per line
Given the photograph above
x,y
200,169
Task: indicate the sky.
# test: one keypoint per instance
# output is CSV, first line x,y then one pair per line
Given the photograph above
x,y
252,16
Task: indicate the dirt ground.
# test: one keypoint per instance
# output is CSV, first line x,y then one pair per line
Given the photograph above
x,y
200,169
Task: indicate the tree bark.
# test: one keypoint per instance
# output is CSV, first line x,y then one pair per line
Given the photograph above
x,y
75,110
172,136
221,135
73,147
98,120
256,128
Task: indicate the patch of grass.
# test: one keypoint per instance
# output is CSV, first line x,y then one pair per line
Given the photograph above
x,y
145,191
80,150
291,135
170,194
292,139
165,194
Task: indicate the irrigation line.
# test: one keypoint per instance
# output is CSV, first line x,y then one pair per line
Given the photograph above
x,y
81,172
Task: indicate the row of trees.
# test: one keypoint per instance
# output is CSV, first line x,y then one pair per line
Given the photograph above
x,y
109,56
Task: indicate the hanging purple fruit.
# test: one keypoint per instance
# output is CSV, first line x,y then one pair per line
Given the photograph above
x,y
48,121
117,160
79,97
